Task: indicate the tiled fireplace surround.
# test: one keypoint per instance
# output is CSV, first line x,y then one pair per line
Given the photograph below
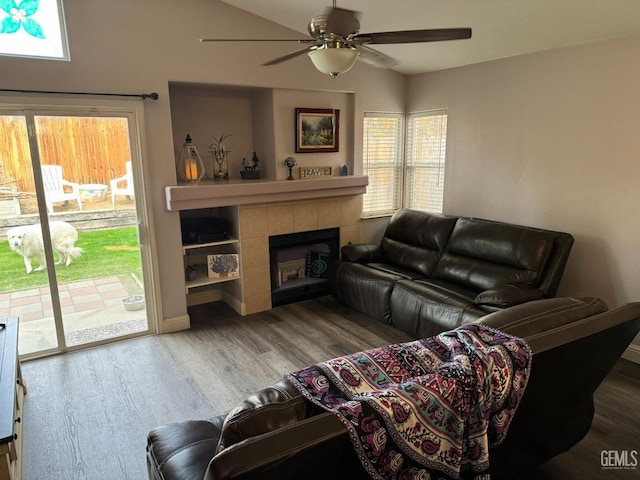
x,y
260,209
258,222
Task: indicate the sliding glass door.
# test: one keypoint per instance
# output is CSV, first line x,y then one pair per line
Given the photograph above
x,y
71,213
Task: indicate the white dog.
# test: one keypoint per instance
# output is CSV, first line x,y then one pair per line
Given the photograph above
x,y
27,241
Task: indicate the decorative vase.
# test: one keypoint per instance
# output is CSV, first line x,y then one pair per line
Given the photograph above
x,y
220,166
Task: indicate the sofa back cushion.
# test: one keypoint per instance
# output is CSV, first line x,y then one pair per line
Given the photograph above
x,y
415,240
267,410
482,254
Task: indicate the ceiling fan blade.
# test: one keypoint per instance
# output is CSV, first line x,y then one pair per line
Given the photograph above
x,y
342,22
299,40
414,36
284,58
375,58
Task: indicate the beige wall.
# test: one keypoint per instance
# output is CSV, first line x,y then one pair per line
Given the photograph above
x,y
120,46
197,111
551,140
261,120
547,139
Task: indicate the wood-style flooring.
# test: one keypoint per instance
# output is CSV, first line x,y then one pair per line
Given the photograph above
x,y
87,413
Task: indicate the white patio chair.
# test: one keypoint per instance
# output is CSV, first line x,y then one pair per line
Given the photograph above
x,y
54,187
127,189
9,198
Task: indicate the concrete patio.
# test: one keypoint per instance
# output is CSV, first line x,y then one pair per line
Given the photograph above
x,y
92,311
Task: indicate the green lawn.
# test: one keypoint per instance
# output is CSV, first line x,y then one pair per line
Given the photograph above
x,y
106,253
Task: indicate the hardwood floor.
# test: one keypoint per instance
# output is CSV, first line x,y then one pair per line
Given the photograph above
x,y
87,413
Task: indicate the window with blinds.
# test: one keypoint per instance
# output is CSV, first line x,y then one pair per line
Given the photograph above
x,y
414,179
382,162
425,160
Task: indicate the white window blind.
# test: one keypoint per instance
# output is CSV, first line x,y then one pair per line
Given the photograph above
x,y
425,162
382,162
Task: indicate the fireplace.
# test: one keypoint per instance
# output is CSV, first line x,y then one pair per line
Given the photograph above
x,y
299,264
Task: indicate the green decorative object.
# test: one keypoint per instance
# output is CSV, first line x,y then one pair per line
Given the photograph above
x,y
19,16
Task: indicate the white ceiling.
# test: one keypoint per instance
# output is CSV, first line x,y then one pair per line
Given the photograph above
x,y
501,28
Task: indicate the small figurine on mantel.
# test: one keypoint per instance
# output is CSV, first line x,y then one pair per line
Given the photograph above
x,y
251,168
290,162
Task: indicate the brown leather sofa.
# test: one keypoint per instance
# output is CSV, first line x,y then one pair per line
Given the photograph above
x,y
432,273
277,434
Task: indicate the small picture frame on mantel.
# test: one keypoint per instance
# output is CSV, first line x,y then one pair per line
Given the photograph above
x,y
317,130
310,172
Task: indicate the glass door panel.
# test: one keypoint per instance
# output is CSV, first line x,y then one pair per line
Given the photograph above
x,y
24,287
101,285
75,195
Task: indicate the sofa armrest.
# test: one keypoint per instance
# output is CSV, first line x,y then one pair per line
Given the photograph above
x,y
361,253
317,447
508,295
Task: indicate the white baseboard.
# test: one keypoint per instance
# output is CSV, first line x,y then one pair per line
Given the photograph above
x,y
175,324
632,353
234,303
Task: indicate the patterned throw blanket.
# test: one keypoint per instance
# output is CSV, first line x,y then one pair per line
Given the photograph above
x,y
428,409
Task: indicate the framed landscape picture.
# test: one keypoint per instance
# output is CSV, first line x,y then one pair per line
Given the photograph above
x,y
317,130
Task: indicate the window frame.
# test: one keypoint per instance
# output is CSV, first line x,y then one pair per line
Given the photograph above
x,y
430,158
396,164
406,165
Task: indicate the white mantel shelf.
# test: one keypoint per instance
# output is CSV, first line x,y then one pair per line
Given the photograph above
x,y
250,192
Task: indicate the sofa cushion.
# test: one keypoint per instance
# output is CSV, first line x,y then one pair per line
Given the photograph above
x,y
182,449
531,318
361,253
424,308
364,288
415,240
508,295
402,272
482,254
267,410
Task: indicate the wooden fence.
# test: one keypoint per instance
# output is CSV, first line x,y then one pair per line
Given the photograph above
x,y
90,150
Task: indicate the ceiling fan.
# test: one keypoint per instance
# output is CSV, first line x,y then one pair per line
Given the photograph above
x,y
336,43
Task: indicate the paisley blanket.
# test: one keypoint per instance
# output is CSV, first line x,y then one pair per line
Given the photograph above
x,y
428,409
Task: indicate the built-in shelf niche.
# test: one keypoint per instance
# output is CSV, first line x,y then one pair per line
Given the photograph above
x,y
258,119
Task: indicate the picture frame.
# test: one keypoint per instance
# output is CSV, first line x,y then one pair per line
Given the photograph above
x,y
223,265
309,172
317,130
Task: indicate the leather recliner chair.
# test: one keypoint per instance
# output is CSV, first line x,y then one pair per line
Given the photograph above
x,y
277,434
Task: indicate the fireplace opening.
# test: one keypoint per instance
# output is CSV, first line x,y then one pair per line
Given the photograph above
x,y
299,264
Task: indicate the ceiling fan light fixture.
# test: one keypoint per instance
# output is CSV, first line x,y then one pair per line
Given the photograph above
x,y
333,61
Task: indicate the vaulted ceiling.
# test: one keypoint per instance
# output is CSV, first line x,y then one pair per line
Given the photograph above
x,y
501,28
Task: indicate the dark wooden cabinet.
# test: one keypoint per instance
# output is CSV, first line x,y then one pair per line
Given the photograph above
x,y
12,391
